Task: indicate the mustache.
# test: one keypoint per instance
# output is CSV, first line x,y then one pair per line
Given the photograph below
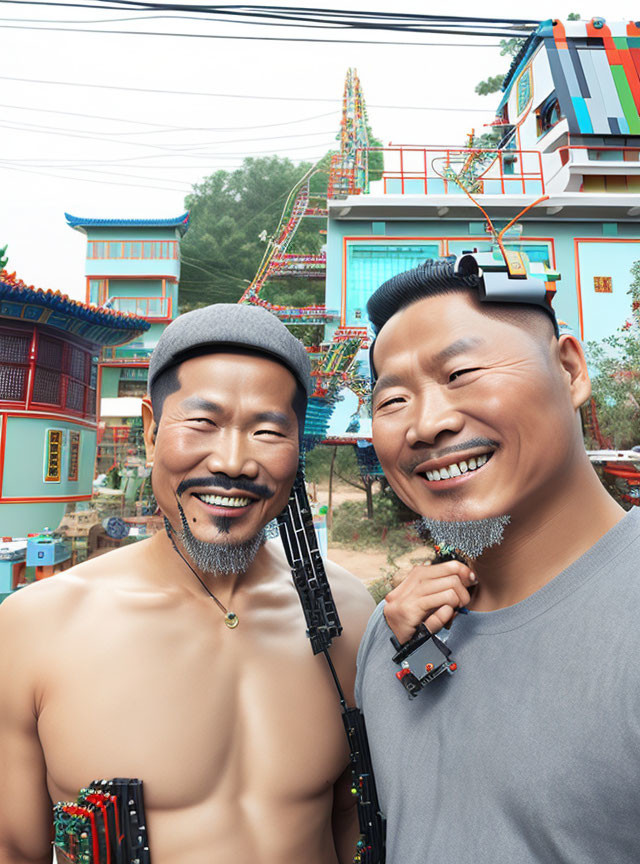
x,y
427,453
223,481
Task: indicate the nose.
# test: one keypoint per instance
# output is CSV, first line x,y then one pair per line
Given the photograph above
x,y
433,415
231,454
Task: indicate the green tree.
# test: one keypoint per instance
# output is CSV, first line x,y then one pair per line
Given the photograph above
x,y
232,215
492,84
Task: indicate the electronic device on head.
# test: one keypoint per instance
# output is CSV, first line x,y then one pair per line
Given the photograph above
x,y
506,279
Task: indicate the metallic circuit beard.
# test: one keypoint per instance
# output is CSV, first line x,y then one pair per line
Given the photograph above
x,y
471,537
222,559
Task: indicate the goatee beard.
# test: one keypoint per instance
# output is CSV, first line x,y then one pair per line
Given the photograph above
x,y
220,559
470,537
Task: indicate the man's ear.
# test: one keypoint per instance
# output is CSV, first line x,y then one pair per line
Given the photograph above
x,y
150,429
574,364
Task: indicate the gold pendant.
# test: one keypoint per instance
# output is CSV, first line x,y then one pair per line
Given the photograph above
x,y
231,620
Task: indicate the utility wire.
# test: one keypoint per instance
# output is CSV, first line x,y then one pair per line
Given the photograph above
x,y
333,100
317,17
259,38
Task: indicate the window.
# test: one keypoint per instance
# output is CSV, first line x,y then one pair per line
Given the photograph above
x,y
147,249
547,115
14,363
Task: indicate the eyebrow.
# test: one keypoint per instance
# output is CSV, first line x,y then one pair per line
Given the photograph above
x,y
277,417
456,348
197,403
386,381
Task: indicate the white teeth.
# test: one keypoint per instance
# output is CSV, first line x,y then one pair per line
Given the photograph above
x,y
224,500
458,468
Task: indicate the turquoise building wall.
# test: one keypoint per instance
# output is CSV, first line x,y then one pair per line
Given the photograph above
x,y
359,259
24,445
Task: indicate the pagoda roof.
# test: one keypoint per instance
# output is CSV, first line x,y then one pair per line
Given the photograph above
x,y
54,309
80,224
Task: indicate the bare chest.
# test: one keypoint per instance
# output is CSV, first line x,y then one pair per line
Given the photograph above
x,y
194,710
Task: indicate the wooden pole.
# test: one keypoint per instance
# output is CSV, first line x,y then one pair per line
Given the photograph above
x,y
330,501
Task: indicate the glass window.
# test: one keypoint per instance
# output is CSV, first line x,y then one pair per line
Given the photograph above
x,y
115,250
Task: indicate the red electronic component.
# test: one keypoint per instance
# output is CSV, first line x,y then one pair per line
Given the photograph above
x,y
401,673
428,667
453,667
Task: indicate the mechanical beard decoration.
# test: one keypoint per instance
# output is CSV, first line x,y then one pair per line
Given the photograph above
x,y
470,537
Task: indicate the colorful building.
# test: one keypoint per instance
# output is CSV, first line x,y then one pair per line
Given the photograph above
x,y
133,266
570,151
48,379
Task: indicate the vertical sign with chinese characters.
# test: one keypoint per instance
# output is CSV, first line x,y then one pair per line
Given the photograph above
x,y
53,456
74,455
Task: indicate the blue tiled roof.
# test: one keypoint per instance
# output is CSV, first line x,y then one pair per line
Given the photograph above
x,y
100,326
180,222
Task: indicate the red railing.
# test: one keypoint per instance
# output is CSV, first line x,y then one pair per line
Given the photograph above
x,y
425,170
143,307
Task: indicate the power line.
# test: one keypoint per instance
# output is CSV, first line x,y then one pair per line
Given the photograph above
x,y
89,180
318,17
232,95
258,38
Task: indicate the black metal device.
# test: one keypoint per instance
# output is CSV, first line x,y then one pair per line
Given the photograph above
x,y
424,657
323,625
421,659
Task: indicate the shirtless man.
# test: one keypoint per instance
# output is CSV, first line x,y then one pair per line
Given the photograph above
x,y
125,665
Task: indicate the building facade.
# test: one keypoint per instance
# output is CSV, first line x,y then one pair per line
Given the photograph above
x,y
132,266
569,158
48,378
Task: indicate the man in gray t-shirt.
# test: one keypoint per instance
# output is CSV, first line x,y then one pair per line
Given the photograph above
x,y
530,751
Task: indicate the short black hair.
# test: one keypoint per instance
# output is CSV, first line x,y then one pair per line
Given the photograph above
x,y
435,277
168,381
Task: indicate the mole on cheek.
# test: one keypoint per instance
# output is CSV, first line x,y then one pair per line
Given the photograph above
x,y
194,519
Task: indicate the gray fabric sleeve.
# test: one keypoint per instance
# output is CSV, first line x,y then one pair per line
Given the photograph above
x,y
377,623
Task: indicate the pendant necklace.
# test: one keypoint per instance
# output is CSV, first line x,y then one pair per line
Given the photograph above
x,y
230,618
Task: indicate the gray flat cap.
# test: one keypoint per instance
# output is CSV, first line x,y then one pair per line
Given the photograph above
x,y
230,324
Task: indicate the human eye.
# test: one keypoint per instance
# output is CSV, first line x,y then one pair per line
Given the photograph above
x,y
270,432
201,421
392,400
460,372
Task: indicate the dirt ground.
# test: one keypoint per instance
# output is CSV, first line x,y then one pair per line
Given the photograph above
x,y
366,565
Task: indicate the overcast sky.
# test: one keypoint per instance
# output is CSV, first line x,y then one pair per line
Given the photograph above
x,y
128,164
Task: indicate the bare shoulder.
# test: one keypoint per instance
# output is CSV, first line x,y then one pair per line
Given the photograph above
x,y
45,603
350,594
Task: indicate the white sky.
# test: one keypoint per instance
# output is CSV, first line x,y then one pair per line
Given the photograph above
x,y
47,253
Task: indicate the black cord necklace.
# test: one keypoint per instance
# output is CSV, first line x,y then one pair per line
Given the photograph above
x,y
230,618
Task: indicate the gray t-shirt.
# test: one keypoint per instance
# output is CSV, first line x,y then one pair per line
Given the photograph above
x,y
530,751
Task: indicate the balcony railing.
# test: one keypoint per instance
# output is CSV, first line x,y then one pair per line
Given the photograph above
x,y
432,171
143,307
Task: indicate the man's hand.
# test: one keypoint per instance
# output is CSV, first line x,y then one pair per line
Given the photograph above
x,y
430,594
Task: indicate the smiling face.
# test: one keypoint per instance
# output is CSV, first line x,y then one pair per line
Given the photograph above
x,y
226,446
475,416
